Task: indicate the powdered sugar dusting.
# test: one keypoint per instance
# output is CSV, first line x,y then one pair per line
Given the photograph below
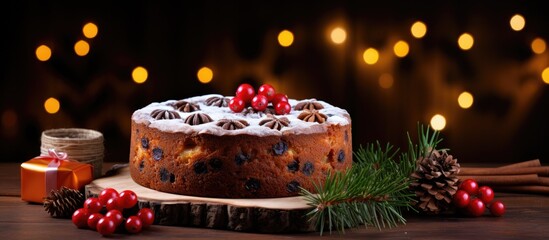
x,y
336,116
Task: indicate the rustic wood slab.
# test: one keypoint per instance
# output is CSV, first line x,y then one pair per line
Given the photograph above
x,y
265,215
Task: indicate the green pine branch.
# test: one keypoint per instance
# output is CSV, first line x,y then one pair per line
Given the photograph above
x,y
374,191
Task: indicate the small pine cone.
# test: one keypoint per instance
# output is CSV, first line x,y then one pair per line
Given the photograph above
x,y
63,202
435,181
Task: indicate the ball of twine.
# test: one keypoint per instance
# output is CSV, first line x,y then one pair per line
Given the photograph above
x,y
83,145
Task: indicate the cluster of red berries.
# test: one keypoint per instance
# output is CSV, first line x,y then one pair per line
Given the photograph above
x,y
474,199
246,96
112,211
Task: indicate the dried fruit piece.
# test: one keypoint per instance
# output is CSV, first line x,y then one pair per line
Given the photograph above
x,y
293,186
308,169
252,185
280,148
200,168
157,153
145,142
293,166
216,163
240,158
341,156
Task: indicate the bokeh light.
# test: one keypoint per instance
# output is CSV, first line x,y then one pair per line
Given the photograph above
x,y
43,53
370,56
401,49
418,29
285,38
538,46
465,100
52,105
517,22
81,48
545,75
140,75
90,30
338,35
466,41
438,122
386,81
205,75
9,119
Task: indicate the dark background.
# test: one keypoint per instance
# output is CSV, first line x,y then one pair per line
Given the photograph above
x,y
237,40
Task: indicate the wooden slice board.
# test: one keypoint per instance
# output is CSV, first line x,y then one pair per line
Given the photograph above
x,y
267,215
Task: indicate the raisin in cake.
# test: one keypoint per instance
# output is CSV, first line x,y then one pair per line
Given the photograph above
x,y
199,147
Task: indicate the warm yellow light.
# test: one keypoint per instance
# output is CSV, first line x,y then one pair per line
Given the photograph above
x,y
545,75
419,29
81,48
43,53
205,75
370,56
538,46
338,35
139,75
285,38
466,41
90,30
438,122
401,49
386,80
52,105
465,100
517,22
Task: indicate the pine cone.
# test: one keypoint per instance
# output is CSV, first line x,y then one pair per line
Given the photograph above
x,y
436,181
63,202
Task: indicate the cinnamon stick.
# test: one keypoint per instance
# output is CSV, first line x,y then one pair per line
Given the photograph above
x,y
544,181
503,180
529,163
523,189
475,171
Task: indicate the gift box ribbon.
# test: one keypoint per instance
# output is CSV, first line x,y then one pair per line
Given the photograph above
x,y
51,171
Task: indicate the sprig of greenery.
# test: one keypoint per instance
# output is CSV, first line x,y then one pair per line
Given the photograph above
x,y
374,191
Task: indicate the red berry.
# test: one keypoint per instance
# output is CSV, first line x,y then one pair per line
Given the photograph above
x,y
93,219
237,104
476,207
147,216
106,226
470,186
282,108
112,204
279,97
267,90
80,218
486,194
461,199
246,92
115,215
133,224
126,199
107,194
497,209
92,205
260,102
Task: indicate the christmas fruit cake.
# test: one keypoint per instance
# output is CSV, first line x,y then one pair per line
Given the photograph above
x,y
217,146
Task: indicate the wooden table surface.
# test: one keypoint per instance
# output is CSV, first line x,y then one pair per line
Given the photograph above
x,y
527,217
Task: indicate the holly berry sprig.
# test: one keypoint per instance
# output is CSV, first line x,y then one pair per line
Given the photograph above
x,y
112,211
474,200
246,96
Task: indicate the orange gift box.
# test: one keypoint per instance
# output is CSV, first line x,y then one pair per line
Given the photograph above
x,y
42,174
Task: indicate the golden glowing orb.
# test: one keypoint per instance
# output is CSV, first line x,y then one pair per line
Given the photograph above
x,y
545,75
418,29
52,105
90,30
465,100
370,56
81,48
438,122
43,53
517,22
338,35
538,46
205,75
401,49
466,41
285,38
139,75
